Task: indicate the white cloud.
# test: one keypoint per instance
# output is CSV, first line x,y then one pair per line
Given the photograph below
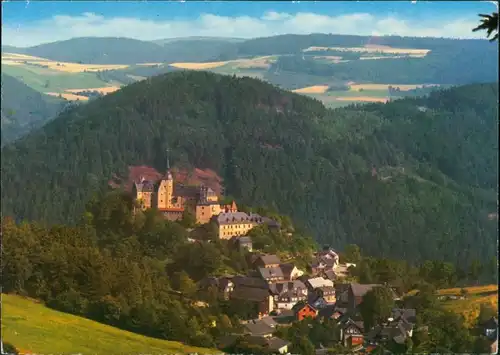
x,y
61,27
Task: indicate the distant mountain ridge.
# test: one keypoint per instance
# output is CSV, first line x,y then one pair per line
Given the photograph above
x,y
113,50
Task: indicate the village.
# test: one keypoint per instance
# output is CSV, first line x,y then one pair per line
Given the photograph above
x,y
280,292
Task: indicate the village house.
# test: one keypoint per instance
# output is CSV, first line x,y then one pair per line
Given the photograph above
x,y
273,344
351,333
303,310
290,271
342,294
287,294
317,282
327,293
325,260
271,274
490,328
332,312
267,261
264,327
262,297
223,285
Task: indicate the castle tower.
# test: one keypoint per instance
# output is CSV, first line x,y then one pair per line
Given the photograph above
x,y
166,189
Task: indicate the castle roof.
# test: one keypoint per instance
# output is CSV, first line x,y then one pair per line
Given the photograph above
x,y
144,186
238,218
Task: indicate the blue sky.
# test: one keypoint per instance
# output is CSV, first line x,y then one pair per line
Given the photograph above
x,y
35,22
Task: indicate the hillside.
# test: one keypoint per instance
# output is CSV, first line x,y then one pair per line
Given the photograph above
x,y
395,179
24,109
23,319
110,50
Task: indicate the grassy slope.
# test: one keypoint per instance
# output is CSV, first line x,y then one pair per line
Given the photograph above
x,y
32,327
469,307
36,78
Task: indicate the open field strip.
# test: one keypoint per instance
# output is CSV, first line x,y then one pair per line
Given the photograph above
x,y
103,90
23,57
258,63
11,62
362,99
469,308
69,96
9,58
404,87
198,66
471,290
316,89
34,328
419,55
371,49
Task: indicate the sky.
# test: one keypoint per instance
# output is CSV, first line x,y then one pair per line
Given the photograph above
x,y
29,23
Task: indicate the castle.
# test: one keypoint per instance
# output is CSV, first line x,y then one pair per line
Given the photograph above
x,y
173,199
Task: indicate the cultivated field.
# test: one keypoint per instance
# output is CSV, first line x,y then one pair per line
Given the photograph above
x,y
48,80
19,59
34,328
103,90
371,49
69,96
469,308
362,99
403,87
317,89
198,66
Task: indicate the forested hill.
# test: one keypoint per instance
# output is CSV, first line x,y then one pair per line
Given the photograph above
x,y
413,179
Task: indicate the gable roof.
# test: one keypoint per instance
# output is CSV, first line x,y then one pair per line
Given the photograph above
x,y
247,281
270,272
350,322
319,282
259,329
250,294
359,290
409,314
275,343
269,259
300,305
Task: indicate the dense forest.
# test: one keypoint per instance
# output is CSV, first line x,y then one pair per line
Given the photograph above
x,y
413,179
24,109
140,273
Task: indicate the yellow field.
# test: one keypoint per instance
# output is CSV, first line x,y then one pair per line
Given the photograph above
x,y
415,55
362,98
469,308
11,62
260,62
34,328
18,59
317,89
472,290
21,57
371,49
103,90
198,66
69,96
404,87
